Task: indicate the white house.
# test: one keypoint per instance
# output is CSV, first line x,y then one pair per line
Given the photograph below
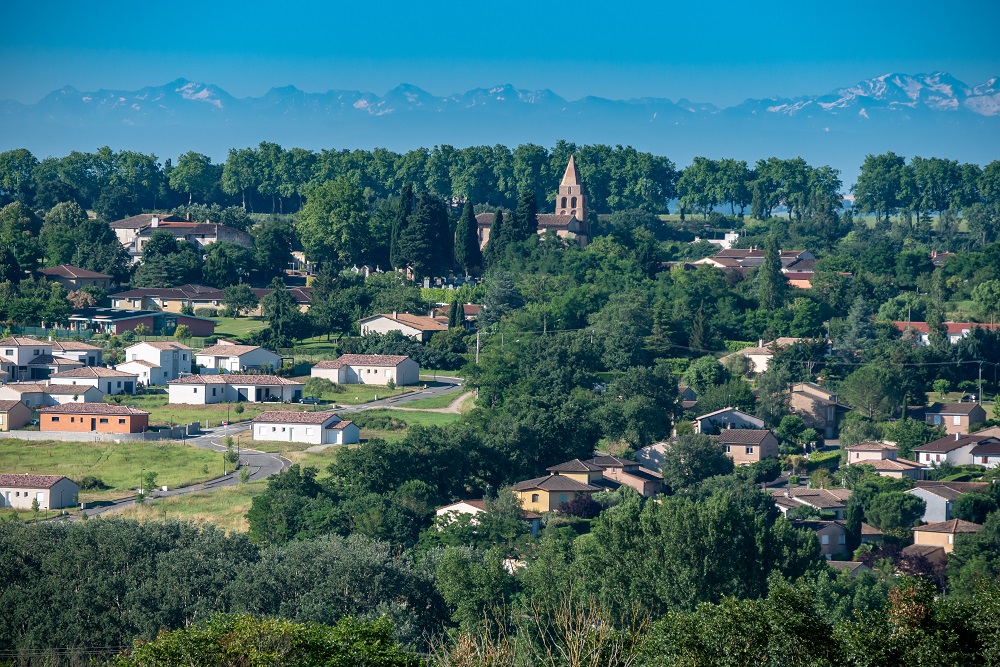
x,y
940,497
204,389
107,380
51,491
987,453
369,369
956,449
30,359
232,358
74,350
451,512
726,418
35,395
418,327
156,363
314,428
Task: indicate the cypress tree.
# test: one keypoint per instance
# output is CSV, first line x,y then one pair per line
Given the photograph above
x,y
697,340
455,314
771,283
525,216
467,252
425,242
403,212
496,247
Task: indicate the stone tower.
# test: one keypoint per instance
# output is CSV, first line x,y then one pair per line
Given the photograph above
x,y
571,200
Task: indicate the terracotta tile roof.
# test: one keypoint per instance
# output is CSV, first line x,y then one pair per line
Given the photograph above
x,y
289,417
228,350
19,481
142,220
72,346
49,360
236,378
816,524
57,388
870,531
950,443
819,498
951,408
986,449
161,345
92,409
953,526
612,462
554,483
576,465
963,487
954,328
893,465
871,446
419,322
183,292
9,404
742,436
480,505
341,425
391,360
719,412
924,551
71,272
21,341
141,362
92,372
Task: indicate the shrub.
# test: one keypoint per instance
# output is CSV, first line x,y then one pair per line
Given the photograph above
x,y
584,507
378,421
206,312
91,483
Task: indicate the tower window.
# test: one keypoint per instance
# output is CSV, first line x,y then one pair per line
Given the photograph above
x,y
564,203
573,204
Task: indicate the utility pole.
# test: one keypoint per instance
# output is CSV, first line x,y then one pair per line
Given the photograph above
x,y
477,348
980,397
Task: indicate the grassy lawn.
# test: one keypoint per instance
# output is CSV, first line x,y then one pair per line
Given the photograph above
x,y
226,327
224,508
411,418
119,465
433,402
354,394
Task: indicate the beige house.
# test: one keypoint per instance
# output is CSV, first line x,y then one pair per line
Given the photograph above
x,y
449,513
939,497
369,369
955,417
13,414
623,472
73,277
78,351
314,428
107,380
134,232
943,534
833,501
726,418
51,491
418,327
226,357
817,406
747,446
882,457
565,482
832,536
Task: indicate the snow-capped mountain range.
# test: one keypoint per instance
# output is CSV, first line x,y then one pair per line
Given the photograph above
x,y
920,113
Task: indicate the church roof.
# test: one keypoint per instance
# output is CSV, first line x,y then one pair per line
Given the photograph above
x,y
572,176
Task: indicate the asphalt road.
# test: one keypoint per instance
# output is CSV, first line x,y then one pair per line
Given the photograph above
x,y
263,464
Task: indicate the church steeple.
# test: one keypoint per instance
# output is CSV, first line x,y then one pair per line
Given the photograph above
x,y
571,200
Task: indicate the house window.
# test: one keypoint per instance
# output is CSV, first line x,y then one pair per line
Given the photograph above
x,y
119,384
534,497
9,352
824,539
195,390
951,539
727,449
309,431
36,352
55,419
72,419
749,450
121,421
937,457
104,420
562,497
985,459
937,419
213,391
956,420
842,539
273,429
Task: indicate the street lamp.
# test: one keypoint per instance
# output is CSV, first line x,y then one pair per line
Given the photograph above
x,y
142,474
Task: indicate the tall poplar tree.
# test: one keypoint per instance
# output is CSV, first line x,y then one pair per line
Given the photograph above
x,y
403,212
771,283
467,252
496,246
525,216
425,243
455,314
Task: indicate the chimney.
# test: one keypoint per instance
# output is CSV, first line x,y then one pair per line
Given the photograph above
x,y
394,314
155,222
958,436
760,342
188,216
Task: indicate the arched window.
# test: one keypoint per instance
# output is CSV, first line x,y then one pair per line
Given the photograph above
x,y
564,203
573,204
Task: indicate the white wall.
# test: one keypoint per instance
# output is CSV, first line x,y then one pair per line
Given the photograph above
x,y
384,325
193,394
62,494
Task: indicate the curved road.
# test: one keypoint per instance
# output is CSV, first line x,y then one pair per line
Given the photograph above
x,y
264,464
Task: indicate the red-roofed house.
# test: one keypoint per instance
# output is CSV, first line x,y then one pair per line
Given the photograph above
x,y
449,513
369,369
942,534
955,417
315,428
956,331
418,327
73,277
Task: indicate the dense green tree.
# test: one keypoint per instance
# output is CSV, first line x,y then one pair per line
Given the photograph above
x,y
19,232
272,249
227,264
193,174
58,235
426,242
872,390
467,252
284,321
239,299
895,511
17,168
404,209
771,283
692,459
974,507
333,224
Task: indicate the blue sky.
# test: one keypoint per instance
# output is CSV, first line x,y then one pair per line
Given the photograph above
x,y
721,52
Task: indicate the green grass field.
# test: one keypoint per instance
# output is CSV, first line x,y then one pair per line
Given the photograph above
x,y
225,508
354,394
164,413
119,465
237,326
412,418
434,402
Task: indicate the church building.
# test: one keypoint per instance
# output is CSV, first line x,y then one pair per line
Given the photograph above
x,y
571,219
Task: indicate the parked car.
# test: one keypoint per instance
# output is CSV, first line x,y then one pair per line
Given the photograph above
x,y
309,400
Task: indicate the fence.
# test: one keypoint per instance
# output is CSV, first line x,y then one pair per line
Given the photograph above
x,y
174,433
43,333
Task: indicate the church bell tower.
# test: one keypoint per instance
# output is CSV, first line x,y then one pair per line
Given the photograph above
x,y
571,200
